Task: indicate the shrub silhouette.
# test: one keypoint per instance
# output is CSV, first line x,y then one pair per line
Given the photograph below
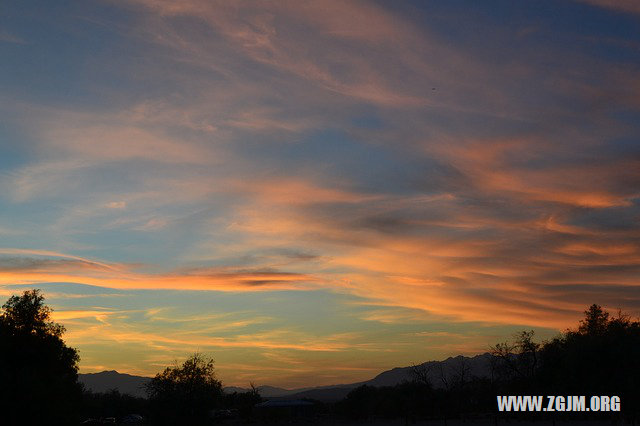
x,y
111,404
601,356
38,371
185,393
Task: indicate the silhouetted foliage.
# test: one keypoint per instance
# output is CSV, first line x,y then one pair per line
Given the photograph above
x,y
458,376
112,404
414,400
518,359
595,322
421,373
600,357
184,392
244,402
38,372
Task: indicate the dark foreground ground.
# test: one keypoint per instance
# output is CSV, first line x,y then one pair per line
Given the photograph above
x,y
402,422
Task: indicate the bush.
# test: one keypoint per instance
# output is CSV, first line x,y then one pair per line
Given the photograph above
x,y
38,371
185,393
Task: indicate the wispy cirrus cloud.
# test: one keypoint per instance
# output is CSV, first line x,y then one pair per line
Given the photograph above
x,y
442,166
31,272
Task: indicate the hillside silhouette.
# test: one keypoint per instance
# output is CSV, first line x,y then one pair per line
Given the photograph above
x,y
478,366
106,381
600,357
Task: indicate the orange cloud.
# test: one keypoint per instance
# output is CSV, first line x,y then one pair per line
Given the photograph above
x,y
65,316
273,340
292,192
497,236
270,34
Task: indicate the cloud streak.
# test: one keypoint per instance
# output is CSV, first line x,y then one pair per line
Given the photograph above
x,y
436,166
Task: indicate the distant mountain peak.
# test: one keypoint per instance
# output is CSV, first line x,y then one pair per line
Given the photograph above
x,y
477,365
105,381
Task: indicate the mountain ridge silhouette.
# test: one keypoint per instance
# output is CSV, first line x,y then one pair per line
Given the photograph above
x,y
478,365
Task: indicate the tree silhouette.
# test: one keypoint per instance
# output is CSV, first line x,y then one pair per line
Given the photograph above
x,y
421,373
185,392
601,357
595,321
517,359
38,372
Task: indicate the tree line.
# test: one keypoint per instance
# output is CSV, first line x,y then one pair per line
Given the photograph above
x,y
600,357
39,376
39,379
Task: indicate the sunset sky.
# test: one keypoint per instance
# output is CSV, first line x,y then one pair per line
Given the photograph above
x,y
314,192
